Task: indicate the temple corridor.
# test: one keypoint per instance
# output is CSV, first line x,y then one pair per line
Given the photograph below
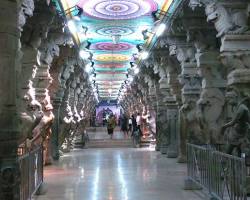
x,y
124,99
116,174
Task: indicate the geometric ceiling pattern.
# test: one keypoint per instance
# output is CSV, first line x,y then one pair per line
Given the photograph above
x,y
110,30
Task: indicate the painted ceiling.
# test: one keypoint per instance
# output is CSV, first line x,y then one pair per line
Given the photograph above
x,y
111,31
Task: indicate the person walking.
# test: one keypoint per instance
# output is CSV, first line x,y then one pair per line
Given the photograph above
x,y
130,125
124,126
135,132
111,125
134,125
138,122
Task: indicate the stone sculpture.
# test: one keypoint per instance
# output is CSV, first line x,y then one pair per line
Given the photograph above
x,y
209,112
238,134
227,20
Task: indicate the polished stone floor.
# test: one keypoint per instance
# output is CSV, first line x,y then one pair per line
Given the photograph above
x,y
116,174
102,133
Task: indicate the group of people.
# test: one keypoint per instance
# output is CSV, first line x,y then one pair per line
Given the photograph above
x,y
130,126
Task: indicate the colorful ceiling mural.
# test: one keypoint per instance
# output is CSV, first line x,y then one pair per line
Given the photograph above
x,y
109,36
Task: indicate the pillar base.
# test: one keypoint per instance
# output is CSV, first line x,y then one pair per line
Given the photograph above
x,y
172,152
248,185
182,159
43,189
164,149
56,157
191,185
157,148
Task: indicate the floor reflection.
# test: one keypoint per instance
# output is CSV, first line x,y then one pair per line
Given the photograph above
x,y
116,174
124,189
96,184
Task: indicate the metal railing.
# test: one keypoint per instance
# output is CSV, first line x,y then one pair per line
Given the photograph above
x,y
31,173
222,175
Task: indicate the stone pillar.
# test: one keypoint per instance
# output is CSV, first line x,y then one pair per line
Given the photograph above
x,y
235,55
172,121
65,118
169,107
30,109
10,59
42,82
28,71
189,128
212,99
191,81
211,102
162,120
55,128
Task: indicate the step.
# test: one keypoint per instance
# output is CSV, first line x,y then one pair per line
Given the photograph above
x,y
110,143
146,142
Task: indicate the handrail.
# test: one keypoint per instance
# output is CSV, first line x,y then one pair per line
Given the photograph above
x,y
223,176
31,172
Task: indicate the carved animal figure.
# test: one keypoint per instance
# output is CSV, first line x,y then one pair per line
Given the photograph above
x,y
29,119
26,10
226,22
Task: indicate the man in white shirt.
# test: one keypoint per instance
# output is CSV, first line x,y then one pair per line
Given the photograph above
x,y
138,122
138,119
130,125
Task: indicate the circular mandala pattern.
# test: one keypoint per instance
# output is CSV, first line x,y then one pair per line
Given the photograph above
x,y
117,9
115,30
109,46
112,57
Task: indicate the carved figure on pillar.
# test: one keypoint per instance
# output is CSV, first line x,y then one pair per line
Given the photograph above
x,y
239,127
191,81
227,21
10,56
210,114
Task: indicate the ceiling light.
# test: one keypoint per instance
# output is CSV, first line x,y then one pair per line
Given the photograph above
x,y
77,18
88,67
82,36
160,30
72,26
144,55
110,91
136,70
84,54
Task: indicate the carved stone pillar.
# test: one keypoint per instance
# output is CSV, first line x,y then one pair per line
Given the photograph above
x,y
42,82
55,128
212,99
161,120
65,118
10,59
235,55
191,81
